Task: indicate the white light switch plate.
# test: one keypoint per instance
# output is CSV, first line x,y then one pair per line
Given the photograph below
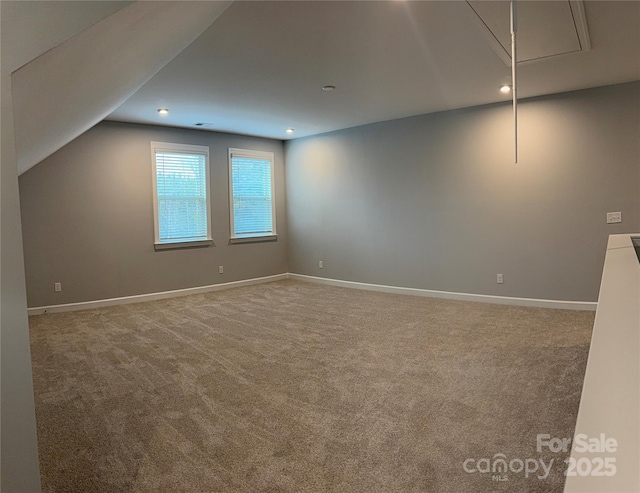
x,y
614,217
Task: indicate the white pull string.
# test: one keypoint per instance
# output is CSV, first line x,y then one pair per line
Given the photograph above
x,y
514,58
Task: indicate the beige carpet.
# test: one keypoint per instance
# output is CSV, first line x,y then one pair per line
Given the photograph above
x,y
294,387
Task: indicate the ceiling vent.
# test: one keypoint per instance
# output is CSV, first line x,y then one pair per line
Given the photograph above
x,y
545,29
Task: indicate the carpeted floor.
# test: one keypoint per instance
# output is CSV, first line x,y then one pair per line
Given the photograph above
x,y
299,387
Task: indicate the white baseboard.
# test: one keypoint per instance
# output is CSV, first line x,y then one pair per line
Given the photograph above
x,y
140,298
501,300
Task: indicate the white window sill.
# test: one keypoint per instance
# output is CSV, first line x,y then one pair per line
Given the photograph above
x,y
183,244
253,239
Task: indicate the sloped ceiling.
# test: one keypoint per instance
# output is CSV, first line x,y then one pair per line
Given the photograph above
x,y
68,89
260,68
30,28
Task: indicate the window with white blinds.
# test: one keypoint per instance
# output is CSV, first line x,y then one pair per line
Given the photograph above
x,y
251,194
181,194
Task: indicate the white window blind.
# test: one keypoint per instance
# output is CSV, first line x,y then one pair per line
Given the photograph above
x,y
182,193
252,211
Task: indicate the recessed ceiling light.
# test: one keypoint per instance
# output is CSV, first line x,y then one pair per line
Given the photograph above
x,y
328,88
163,111
505,88
289,130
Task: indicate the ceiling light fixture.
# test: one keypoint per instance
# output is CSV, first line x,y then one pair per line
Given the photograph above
x,y
328,88
505,88
289,130
163,111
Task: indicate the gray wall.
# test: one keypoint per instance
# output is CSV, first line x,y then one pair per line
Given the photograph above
x,y
87,216
19,470
431,202
436,202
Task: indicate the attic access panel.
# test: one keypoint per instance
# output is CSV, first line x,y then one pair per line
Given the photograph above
x,y
545,28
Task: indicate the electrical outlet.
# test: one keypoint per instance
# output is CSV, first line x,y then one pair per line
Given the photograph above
x,y
320,264
500,279
614,217
220,269
57,287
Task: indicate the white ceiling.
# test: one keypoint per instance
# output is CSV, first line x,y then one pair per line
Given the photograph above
x,y
260,67
88,64
30,28
544,28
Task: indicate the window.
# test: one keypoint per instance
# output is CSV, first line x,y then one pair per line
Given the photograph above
x,y
251,195
181,197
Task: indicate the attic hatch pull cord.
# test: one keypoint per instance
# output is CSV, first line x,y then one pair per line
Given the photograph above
x,y
514,58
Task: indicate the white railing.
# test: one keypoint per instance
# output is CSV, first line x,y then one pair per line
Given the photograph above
x,y
605,456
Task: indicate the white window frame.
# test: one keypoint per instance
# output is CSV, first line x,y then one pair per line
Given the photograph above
x,y
188,149
253,237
